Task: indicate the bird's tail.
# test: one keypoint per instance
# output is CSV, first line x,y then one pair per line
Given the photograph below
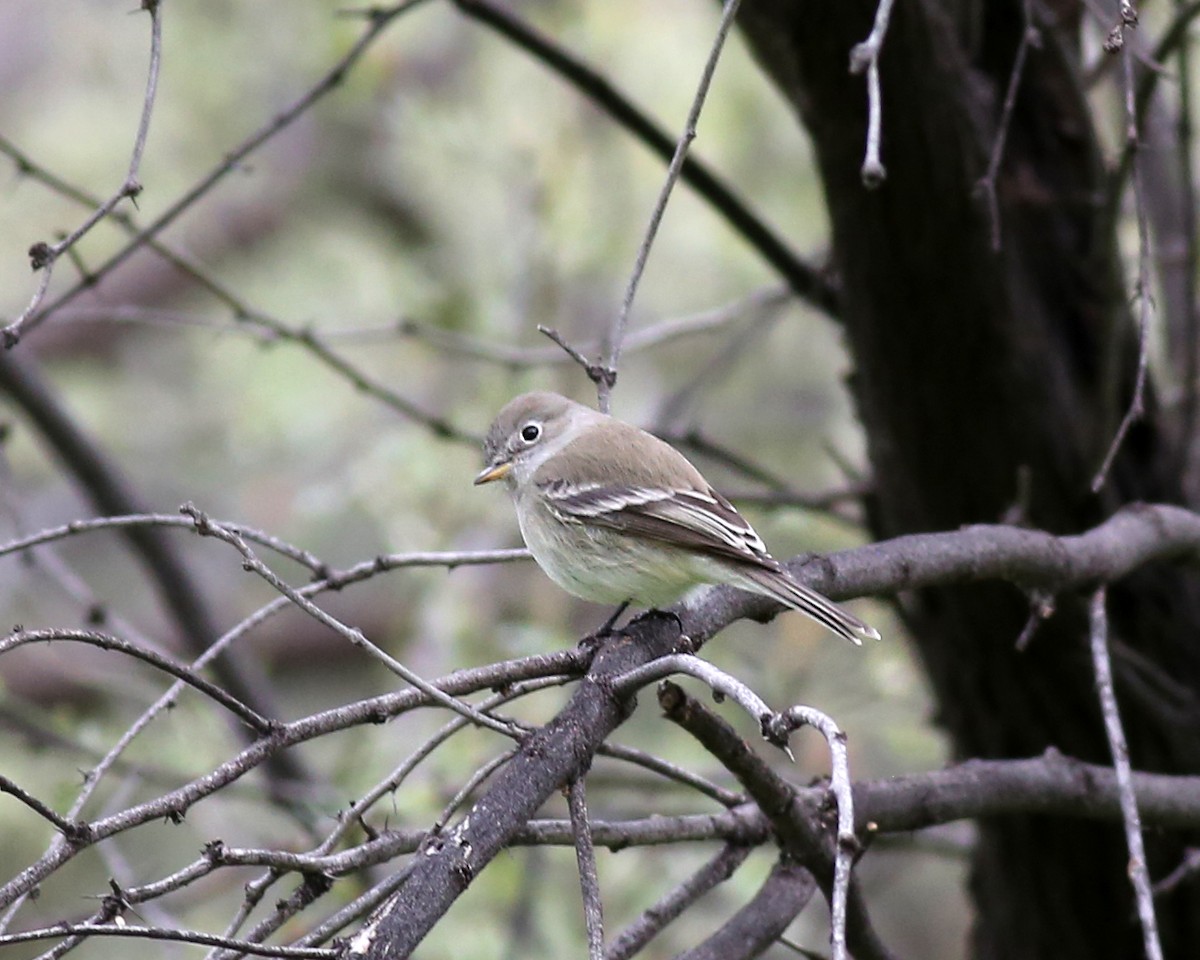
x,y
779,586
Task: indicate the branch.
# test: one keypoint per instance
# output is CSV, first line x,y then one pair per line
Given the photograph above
x,y
1133,536
1142,293
653,919
847,846
546,760
762,921
112,493
44,255
585,860
67,828
207,527
1138,872
807,282
865,56
176,803
390,561
801,832
1030,38
233,160
102,641
156,933
616,333
1049,784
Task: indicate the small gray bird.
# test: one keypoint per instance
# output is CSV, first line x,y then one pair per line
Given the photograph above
x,y
614,515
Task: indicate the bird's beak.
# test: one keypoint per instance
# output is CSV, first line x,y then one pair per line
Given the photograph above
x,y
494,471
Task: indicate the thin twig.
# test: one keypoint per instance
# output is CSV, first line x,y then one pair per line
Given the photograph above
x,y
155,933
1139,875
380,19
390,561
463,793
847,847
364,384
585,860
66,827
1174,37
808,282
1030,38
655,918
207,527
597,372
457,344
671,771
722,683
103,641
865,56
616,333
1142,293
1188,867
44,255
1190,340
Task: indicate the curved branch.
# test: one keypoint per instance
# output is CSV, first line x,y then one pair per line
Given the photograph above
x,y
762,921
103,641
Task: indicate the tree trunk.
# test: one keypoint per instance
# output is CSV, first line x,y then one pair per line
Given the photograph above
x,y
990,381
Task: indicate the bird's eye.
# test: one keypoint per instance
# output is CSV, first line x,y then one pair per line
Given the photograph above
x,y
530,432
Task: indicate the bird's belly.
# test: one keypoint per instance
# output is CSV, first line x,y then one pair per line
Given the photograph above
x,y
605,567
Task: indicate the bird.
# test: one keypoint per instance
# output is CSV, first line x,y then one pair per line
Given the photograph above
x,y
613,514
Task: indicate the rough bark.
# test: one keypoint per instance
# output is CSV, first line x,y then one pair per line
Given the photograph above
x,y
975,368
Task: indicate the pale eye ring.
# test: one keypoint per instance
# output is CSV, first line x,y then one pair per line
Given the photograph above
x,y
530,432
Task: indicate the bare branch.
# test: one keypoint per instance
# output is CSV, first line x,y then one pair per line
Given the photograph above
x,y
156,933
1142,289
671,771
1139,875
848,846
801,832
1030,38
43,255
393,561
103,641
67,828
206,527
1135,535
721,683
380,19
585,859
639,933
761,922
1187,869
616,333
807,282
865,56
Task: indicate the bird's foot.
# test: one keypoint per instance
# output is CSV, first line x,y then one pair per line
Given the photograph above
x,y
590,642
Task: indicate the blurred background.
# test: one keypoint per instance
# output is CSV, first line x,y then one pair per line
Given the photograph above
x,y
421,220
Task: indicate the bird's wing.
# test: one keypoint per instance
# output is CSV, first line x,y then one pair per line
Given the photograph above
x,y
698,520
